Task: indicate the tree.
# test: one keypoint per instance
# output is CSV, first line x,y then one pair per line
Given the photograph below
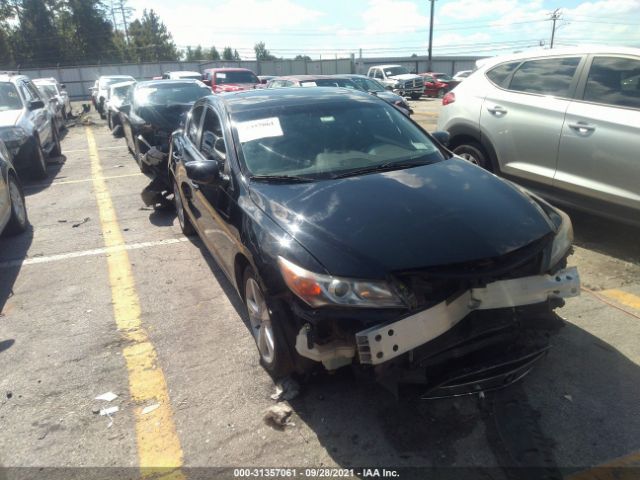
x,y
236,55
192,55
303,57
213,54
35,38
150,39
227,53
262,53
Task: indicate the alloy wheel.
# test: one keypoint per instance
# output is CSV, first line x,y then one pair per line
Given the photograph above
x,y
469,158
260,320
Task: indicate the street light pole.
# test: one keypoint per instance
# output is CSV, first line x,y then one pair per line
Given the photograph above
x,y
430,33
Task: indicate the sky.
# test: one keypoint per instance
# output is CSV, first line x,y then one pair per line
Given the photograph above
x,y
330,28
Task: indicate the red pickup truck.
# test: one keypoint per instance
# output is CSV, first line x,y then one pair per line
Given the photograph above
x,y
230,79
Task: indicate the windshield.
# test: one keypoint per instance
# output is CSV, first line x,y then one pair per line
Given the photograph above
x,y
329,82
392,71
368,85
105,82
48,89
118,94
235,77
443,77
330,139
9,99
170,94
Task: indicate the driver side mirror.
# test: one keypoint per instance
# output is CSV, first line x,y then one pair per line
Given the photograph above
x,y
442,137
204,172
63,86
35,104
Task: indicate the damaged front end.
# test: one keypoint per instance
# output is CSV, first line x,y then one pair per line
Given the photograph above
x,y
154,159
470,327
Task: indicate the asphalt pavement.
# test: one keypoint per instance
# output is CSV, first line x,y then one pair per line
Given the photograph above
x,y
103,294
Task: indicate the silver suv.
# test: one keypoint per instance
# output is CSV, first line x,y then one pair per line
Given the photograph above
x,y
564,123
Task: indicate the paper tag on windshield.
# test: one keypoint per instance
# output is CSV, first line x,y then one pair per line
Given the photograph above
x,y
309,84
221,75
255,129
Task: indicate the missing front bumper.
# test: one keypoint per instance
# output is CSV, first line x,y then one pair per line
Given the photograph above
x,y
380,344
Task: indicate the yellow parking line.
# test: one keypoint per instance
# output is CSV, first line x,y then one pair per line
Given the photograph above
x,y
622,468
628,299
157,441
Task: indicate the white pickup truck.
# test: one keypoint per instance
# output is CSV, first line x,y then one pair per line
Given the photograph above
x,y
398,79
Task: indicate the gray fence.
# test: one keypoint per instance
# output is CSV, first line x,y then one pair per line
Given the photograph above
x,y
80,79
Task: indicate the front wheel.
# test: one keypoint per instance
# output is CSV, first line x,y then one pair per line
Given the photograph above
x,y
38,170
474,153
267,331
56,151
416,96
18,221
185,224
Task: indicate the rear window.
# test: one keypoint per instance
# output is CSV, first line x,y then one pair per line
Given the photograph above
x,y
548,76
236,77
498,75
614,81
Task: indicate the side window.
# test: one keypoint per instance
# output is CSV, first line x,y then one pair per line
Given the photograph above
x,y
614,81
499,74
194,124
33,90
379,74
212,144
25,92
548,76
372,73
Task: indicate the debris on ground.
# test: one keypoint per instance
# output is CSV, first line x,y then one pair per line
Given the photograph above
x,y
108,411
286,389
107,397
278,415
76,225
569,397
150,408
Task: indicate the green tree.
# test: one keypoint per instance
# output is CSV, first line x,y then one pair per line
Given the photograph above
x,y
303,57
35,39
150,40
213,54
192,54
262,53
227,53
236,55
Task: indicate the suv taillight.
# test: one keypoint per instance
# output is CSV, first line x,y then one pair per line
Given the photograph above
x,y
450,97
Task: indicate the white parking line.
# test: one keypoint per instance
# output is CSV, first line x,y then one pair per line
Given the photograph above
x,y
87,253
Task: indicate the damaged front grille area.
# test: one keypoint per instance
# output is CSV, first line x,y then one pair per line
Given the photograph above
x,y
429,286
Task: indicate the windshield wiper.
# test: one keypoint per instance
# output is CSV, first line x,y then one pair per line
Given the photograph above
x,y
282,178
382,168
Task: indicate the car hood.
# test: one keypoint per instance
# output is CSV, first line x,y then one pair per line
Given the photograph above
x,y
369,225
405,76
9,118
165,118
389,97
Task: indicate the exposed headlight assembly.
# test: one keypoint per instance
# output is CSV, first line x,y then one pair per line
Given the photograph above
x,y
13,134
563,239
318,290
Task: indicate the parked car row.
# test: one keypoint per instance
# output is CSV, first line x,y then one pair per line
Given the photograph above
x,y
353,236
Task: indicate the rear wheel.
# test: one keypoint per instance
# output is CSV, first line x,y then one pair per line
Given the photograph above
x,y
474,153
56,151
18,221
185,224
267,331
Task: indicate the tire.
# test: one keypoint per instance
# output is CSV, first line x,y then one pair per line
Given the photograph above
x,y
18,222
109,121
56,151
474,153
268,333
416,96
38,167
441,93
183,219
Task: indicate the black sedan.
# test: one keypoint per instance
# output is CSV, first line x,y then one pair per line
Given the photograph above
x,y
156,110
355,238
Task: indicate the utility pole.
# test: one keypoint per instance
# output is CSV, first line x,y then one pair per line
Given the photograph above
x,y
555,16
430,33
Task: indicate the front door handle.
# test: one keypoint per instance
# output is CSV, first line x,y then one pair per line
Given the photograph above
x,y
497,110
583,128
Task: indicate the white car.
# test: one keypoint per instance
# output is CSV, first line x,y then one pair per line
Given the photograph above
x,y
101,90
56,89
564,123
182,75
461,75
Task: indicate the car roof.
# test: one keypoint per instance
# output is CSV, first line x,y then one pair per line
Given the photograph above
x,y
183,72
286,97
228,69
386,66
11,77
44,80
122,84
164,83
580,50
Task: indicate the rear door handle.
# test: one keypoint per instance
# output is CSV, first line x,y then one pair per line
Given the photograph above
x,y
583,128
497,110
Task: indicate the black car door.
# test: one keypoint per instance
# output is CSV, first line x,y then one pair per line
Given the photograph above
x,y
214,201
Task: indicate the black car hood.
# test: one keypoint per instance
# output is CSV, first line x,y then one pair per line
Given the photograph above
x,y
164,117
389,97
369,225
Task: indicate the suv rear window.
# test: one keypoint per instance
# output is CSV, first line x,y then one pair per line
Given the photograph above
x,y
614,81
548,76
498,75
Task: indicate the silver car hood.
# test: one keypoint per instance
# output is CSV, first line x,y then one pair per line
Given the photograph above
x,y
9,118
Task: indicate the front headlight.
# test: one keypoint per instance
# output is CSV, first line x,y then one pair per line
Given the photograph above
x,y
563,239
13,134
397,85
318,290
